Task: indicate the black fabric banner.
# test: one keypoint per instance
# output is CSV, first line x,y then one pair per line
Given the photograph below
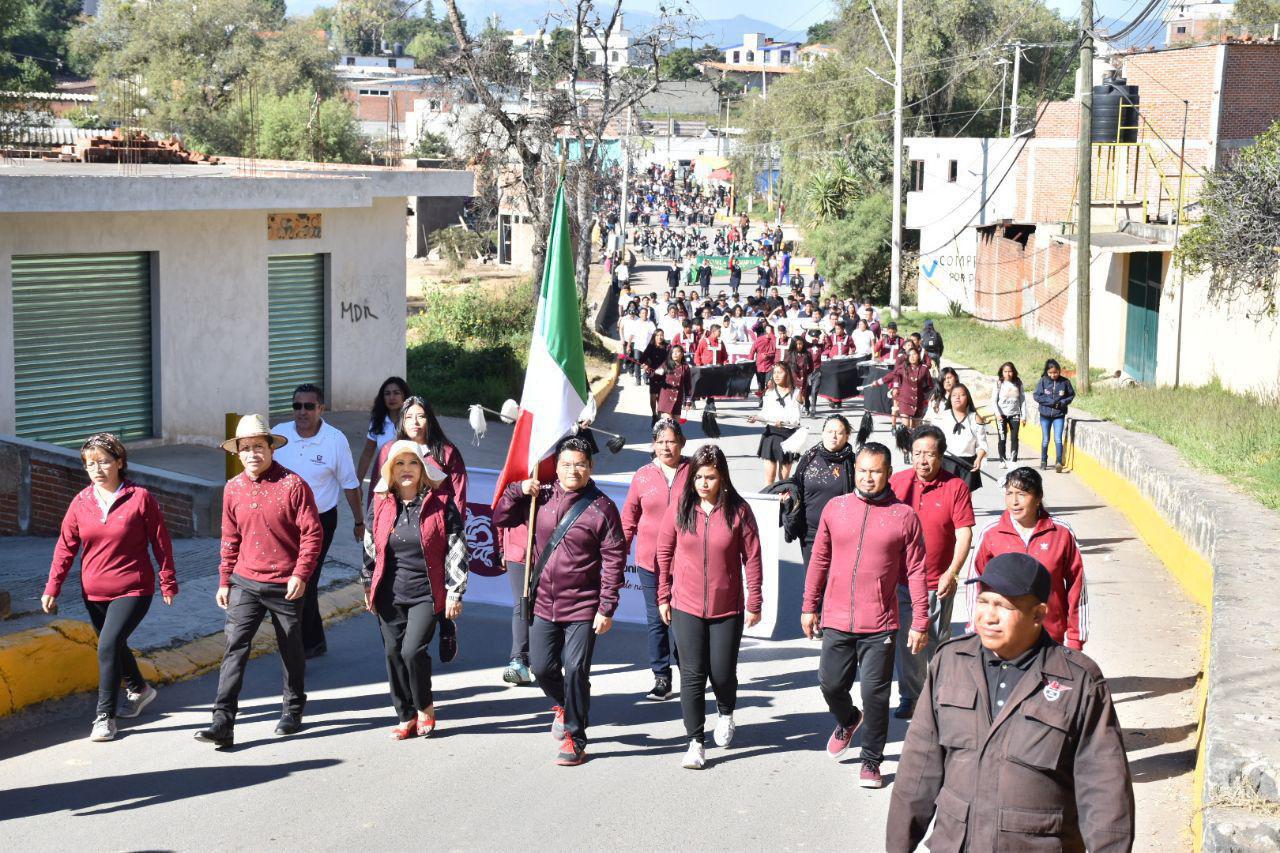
x,y
876,400
840,378
723,380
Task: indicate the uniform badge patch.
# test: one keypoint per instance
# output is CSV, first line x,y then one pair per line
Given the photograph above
x,y
1053,691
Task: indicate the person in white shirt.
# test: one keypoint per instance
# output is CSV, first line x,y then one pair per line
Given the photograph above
x,y
1010,404
780,413
384,416
863,340
321,455
966,436
639,332
670,324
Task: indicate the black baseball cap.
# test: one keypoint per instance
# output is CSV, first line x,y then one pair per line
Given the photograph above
x,y
1015,574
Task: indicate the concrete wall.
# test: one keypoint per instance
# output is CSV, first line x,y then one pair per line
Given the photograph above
x,y
211,309
690,96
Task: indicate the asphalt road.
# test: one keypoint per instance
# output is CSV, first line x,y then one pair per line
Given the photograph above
x,y
487,780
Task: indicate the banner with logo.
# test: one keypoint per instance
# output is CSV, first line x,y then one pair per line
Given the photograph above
x,y
488,584
720,263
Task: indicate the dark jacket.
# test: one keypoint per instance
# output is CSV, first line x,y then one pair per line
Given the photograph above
x,y
931,340
800,510
585,573
1054,396
1048,773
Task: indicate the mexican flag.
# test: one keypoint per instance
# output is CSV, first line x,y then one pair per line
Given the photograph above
x,y
555,384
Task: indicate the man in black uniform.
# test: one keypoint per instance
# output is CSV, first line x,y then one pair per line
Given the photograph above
x,y
1015,743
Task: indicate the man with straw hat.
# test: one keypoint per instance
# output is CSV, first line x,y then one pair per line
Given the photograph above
x,y
271,537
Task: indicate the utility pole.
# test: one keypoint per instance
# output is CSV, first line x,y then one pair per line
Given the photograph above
x,y
1084,196
1013,103
1004,78
895,264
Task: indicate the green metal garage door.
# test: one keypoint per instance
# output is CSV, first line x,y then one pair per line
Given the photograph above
x,y
82,346
295,290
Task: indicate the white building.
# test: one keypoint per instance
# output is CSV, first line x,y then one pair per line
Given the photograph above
x,y
614,53
760,51
1187,21
951,190
374,64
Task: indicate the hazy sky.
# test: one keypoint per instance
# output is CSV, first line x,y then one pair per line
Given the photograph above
x,y
785,16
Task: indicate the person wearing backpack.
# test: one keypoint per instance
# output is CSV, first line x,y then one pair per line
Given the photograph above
x,y
578,556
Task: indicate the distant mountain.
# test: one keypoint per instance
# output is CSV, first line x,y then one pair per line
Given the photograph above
x,y
524,15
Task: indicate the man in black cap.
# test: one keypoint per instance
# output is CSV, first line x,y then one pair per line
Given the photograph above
x,y
1015,742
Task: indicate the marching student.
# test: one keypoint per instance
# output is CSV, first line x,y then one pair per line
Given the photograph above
x,y
653,362
271,537
384,417
1054,392
652,490
579,557
711,350
801,365
781,416
1026,527
676,385
415,573
113,522
320,454
764,352
1009,401
707,541
910,384
966,437
867,541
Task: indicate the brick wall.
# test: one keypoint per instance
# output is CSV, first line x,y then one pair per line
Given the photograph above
x,y
1250,90
1020,285
1164,80
44,483
1058,120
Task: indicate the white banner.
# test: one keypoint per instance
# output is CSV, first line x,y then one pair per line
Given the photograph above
x,y
494,588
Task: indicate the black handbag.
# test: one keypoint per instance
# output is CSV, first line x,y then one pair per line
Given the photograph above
x,y
562,529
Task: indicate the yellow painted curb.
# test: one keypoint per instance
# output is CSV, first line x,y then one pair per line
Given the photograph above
x,y
61,658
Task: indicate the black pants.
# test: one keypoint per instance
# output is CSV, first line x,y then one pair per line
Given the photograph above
x,y
312,624
1007,427
406,639
251,602
560,657
659,633
519,627
708,647
869,659
762,382
114,621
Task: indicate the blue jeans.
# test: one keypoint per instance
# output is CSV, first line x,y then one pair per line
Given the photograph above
x,y
659,633
1056,425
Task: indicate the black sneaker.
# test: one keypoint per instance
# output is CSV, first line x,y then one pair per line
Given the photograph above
x,y
1044,465
661,689
906,709
290,724
448,640
221,734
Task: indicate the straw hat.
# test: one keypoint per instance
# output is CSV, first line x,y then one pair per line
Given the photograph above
x,y
252,426
433,472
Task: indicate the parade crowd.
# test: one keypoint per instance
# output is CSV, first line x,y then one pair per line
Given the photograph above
x,y
1013,741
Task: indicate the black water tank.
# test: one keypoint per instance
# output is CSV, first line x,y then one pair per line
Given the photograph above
x,y
1115,112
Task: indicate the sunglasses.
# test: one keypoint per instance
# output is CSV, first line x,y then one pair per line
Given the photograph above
x,y
310,407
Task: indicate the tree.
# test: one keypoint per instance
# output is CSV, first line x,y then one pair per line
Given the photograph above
x,y
853,252
1237,239
682,63
456,246
432,146
821,32
428,48
1257,16
301,125
199,70
33,45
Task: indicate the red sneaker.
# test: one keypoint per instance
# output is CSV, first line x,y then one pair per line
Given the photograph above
x,y
557,724
840,739
571,755
870,777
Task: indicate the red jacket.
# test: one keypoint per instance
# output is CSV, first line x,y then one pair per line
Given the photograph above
x,y
943,506
585,574
270,528
764,352
862,551
115,562
645,506
709,354
1053,543
674,388
456,482
513,540
705,564
837,346
435,539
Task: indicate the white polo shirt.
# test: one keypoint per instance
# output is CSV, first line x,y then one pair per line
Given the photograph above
x,y
323,460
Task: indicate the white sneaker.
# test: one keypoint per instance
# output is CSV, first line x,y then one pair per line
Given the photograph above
x,y
695,758
1005,464
724,730
104,729
135,702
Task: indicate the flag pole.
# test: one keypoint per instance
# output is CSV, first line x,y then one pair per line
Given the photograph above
x,y
527,615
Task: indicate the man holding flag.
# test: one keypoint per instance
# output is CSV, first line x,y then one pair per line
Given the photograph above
x,y
577,554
